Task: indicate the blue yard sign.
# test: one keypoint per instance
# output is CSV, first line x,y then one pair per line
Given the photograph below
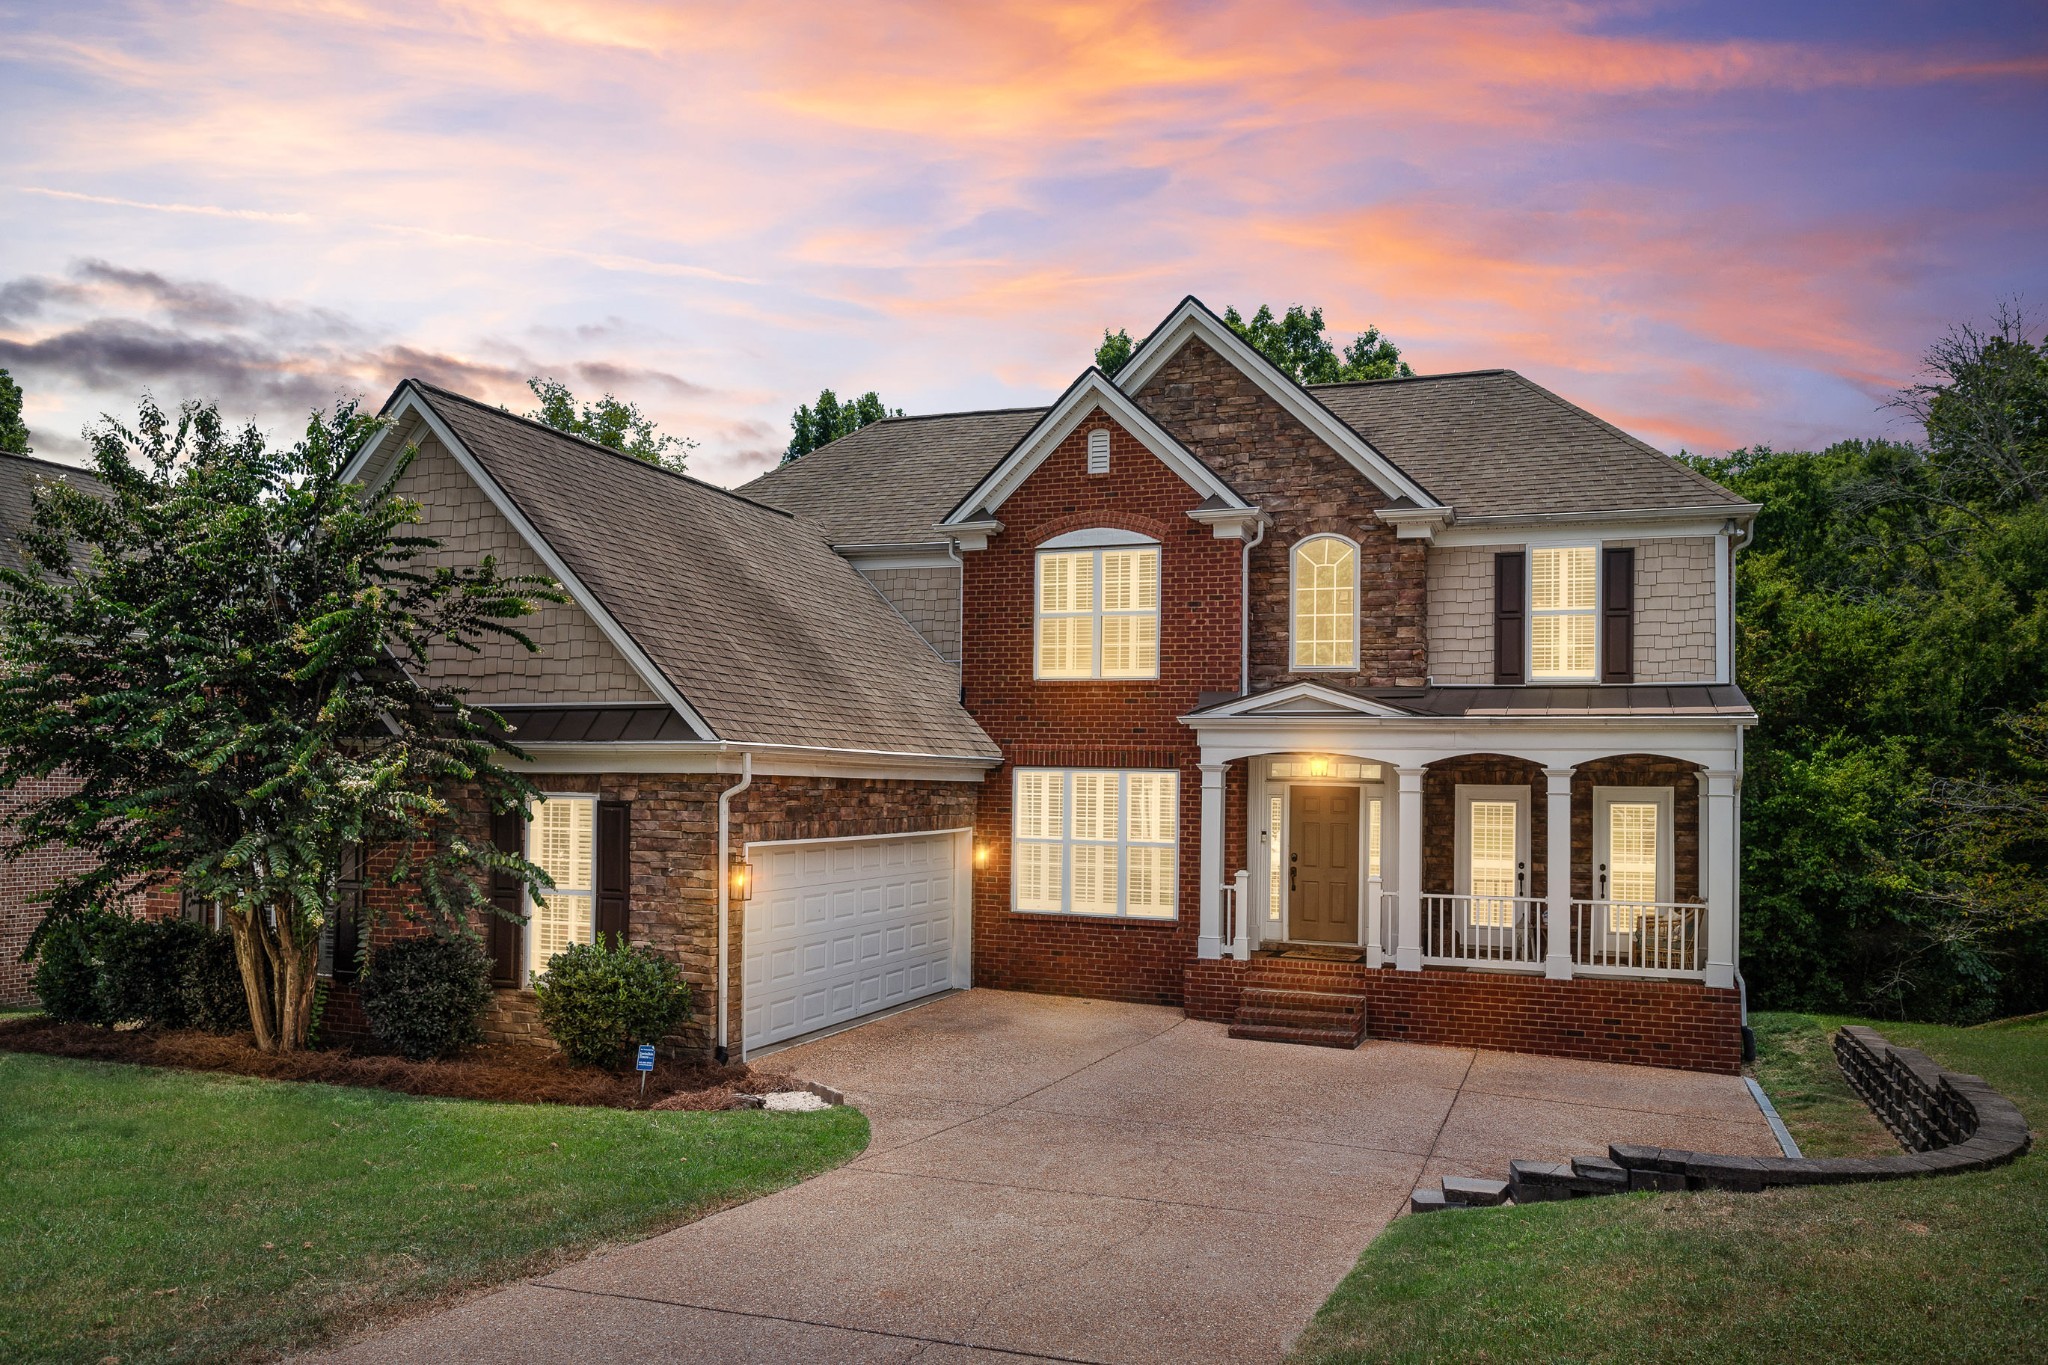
x,y
646,1062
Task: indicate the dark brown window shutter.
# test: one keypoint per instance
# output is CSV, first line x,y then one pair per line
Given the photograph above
x,y
614,870
349,905
508,897
1510,615
1617,615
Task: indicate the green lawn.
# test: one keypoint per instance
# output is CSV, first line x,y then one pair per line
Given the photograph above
x,y
1954,1270
156,1215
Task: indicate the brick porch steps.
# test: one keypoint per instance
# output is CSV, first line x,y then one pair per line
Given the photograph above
x,y
1282,1004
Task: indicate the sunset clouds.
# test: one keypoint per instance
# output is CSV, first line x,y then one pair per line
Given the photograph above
x,y
1713,225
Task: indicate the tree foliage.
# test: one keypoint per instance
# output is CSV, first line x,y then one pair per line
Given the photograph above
x,y
230,654
1892,619
13,431
819,424
1295,341
611,422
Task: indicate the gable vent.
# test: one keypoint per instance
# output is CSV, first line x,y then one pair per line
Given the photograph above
x,y
1098,451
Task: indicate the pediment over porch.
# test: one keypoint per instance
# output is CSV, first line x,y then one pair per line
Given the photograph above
x,y
1298,700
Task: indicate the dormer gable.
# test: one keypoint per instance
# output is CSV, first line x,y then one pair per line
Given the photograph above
x,y
977,515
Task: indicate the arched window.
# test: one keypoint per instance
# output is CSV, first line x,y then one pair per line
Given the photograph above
x,y
1325,603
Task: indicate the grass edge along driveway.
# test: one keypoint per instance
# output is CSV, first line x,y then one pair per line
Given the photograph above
x,y
160,1215
1953,1269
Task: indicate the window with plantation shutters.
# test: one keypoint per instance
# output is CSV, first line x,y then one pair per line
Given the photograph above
x,y
561,840
1563,611
1098,613
1632,851
1097,842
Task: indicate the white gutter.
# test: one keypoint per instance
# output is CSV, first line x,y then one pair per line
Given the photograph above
x,y
725,893
1244,615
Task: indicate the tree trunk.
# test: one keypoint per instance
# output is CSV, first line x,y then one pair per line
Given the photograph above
x,y
277,975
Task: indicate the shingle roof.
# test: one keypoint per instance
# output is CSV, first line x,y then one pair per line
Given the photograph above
x,y
893,481
1487,443
1491,443
19,474
768,634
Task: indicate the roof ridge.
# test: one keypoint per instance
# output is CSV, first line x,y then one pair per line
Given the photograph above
x,y
965,412
598,446
51,464
1408,378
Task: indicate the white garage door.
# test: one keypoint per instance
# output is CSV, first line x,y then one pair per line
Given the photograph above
x,y
840,928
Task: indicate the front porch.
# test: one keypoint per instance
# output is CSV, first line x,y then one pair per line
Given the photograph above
x,y
1447,865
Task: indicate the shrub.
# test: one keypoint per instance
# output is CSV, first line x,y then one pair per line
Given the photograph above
x,y
598,999
425,997
214,998
67,975
143,969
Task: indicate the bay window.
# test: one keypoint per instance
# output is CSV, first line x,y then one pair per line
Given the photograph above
x,y
1097,842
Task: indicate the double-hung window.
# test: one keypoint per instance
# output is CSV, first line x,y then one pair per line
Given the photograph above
x,y
1098,612
1563,611
561,840
1095,842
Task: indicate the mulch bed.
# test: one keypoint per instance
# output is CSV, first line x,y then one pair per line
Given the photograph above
x,y
512,1073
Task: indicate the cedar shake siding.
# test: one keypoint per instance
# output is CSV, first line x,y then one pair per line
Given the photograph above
x,y
927,598
1103,723
576,663
1675,621
1275,463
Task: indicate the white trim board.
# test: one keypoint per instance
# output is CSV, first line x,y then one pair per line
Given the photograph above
x,y
1193,319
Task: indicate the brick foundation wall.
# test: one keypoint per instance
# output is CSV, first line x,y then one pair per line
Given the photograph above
x,y
1677,1024
1115,724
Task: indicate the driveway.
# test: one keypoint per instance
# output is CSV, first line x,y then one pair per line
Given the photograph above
x,y
1076,1180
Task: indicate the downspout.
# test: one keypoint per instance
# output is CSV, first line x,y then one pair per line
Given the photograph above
x,y
1244,614
725,893
960,619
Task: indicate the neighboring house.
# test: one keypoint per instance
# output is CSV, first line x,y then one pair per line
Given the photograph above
x,y
1194,688
23,880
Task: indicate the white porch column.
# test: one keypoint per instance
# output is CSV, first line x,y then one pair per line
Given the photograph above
x,y
1557,955
1408,875
1718,872
1210,944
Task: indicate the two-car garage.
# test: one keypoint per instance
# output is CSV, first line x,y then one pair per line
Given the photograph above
x,y
837,929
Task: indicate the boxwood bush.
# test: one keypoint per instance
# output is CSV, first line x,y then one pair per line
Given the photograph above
x,y
425,997
598,1000
103,968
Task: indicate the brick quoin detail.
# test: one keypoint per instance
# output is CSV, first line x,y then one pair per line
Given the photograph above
x,y
1677,1024
1094,724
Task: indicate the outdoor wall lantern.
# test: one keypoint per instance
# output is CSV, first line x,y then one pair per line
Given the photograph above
x,y
1319,767
742,878
981,855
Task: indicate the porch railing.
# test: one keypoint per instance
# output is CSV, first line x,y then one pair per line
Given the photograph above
x,y
1502,932
1639,938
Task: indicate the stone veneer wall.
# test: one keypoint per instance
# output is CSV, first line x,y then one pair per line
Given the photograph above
x,y
576,663
928,598
1461,613
1675,619
1277,464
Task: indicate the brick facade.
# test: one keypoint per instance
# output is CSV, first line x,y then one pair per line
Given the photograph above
x,y
23,881
1094,724
1678,1024
1277,464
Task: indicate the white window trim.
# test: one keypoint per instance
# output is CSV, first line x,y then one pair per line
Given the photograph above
x,y
1666,801
1096,535
1097,615
1466,795
528,940
1123,843
1293,618
1529,610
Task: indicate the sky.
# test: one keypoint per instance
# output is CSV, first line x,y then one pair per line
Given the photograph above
x,y
1717,224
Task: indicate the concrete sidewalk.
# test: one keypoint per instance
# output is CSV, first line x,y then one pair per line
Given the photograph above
x,y
1076,1180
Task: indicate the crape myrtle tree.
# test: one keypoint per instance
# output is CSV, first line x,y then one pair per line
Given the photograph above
x,y
228,656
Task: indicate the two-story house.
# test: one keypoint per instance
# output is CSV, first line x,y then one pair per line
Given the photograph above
x,y
1404,704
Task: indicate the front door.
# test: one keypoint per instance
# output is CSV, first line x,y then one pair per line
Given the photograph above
x,y
1322,865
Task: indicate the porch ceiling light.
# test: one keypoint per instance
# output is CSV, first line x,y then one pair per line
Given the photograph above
x,y
1319,767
